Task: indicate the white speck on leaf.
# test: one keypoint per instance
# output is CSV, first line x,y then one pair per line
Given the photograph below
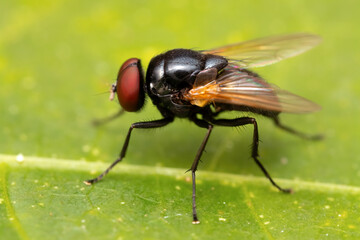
x,y
284,160
20,158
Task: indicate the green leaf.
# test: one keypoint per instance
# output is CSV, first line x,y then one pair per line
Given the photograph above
x,y
46,196
57,56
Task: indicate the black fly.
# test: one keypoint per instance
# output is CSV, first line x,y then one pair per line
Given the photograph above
x,y
199,85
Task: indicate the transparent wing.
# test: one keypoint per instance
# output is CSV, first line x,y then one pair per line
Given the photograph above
x,y
265,51
245,89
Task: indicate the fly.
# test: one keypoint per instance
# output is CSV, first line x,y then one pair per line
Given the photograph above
x,y
200,85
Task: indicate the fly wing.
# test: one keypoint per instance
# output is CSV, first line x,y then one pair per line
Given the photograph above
x,y
244,88
265,51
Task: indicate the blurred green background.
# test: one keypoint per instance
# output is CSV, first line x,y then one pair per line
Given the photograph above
x,y
57,57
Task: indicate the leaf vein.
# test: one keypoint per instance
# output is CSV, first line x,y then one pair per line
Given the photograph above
x,y
9,207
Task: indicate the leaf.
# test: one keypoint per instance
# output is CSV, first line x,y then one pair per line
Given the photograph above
x,y
57,56
46,197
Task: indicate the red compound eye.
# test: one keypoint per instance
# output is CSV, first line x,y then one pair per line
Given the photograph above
x,y
129,85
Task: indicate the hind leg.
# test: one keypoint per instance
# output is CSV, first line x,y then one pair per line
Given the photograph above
x,y
315,137
255,145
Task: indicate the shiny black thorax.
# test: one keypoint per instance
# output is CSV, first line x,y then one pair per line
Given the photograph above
x,y
171,73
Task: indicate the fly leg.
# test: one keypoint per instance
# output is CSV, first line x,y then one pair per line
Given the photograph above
x,y
102,121
209,127
297,133
150,124
255,144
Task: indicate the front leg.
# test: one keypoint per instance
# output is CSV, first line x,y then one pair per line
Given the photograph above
x,y
150,124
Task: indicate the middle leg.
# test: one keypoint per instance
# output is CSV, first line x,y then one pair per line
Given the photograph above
x,y
203,124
